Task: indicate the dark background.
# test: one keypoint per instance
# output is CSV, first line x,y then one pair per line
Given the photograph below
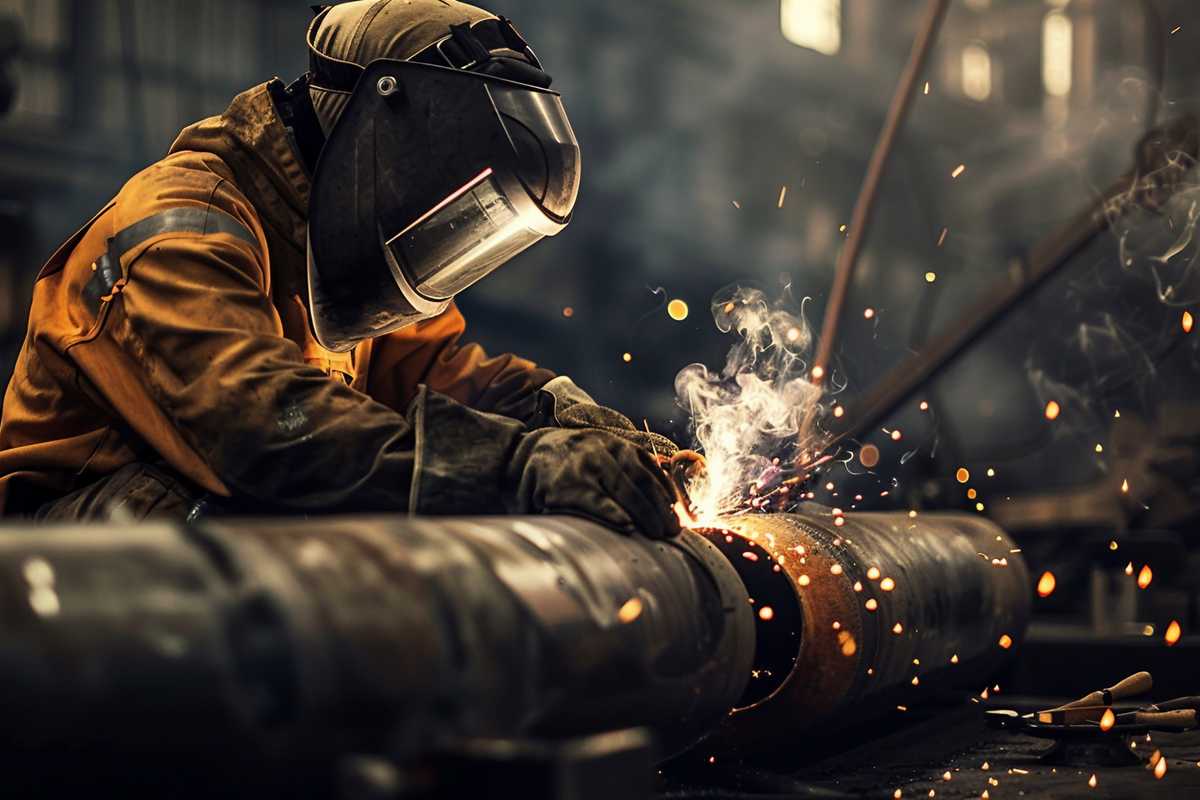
x,y
684,108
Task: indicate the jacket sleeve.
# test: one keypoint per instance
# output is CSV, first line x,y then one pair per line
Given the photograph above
x,y
432,354
195,312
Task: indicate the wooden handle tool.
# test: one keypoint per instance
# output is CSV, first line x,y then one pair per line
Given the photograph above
x,y
1135,684
1179,720
1071,716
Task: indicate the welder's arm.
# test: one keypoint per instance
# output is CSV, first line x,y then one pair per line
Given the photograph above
x,y
195,313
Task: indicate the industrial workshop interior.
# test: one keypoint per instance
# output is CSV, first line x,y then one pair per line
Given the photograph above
x,y
594,400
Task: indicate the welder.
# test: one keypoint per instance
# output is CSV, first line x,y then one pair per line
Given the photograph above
x,y
264,320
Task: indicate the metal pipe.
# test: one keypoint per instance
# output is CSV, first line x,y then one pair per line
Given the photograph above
x,y
272,648
874,611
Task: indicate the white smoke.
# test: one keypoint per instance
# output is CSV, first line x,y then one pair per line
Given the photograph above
x,y
757,417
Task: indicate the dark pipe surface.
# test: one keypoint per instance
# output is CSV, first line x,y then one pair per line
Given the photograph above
x,y
264,648
948,606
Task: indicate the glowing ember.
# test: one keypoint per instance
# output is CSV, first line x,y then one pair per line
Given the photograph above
x,y
873,574
782,195
1046,584
869,456
930,277
959,170
887,584
858,587
1108,720
627,357
924,405
1053,410
897,794
985,766
896,435
1125,486
897,629
872,604
916,681
868,313
1129,568
750,556
677,310
818,372
838,411
631,610
962,475
1173,633
803,580
1005,641
1092,781
1112,544
847,643
836,569
1145,576
1186,322
946,775
1160,769
954,658
568,312
979,506
766,613
991,473
972,494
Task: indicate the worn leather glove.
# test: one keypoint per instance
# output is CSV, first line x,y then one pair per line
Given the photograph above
x,y
595,474
563,404
470,462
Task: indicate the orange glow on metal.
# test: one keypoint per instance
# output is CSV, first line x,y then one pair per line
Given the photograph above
x,y
1145,575
1053,409
1173,633
631,610
457,193
1005,641
1046,584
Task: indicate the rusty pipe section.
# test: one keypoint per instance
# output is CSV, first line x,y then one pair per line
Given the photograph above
x,y
270,648
869,613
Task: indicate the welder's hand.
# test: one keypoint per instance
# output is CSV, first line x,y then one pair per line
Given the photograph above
x,y
591,415
593,473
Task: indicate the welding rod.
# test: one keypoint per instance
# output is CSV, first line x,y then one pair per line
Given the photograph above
x,y
864,206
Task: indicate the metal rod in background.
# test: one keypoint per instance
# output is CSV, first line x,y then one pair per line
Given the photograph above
x,y
864,206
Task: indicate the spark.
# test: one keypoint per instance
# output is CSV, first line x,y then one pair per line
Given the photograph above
x,y
1176,29
1092,781
868,313
858,587
631,610
985,766
959,170
962,475
897,794
1052,410
1187,321
836,569
926,87
677,310
1099,447
873,574
1046,584
627,357
1112,545
946,776
804,580
848,645
818,372
896,435
838,411
872,604
971,494
792,335
1129,568
930,277
1108,720
954,658
1005,641
991,473
887,584
942,237
916,681
1160,769
924,405
1145,575
979,506
842,228
749,556
897,629
782,195
766,613
1173,633
568,312
736,204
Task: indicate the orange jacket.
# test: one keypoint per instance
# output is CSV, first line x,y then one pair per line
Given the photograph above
x,y
200,353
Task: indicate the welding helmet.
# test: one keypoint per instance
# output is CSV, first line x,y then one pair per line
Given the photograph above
x,y
439,169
